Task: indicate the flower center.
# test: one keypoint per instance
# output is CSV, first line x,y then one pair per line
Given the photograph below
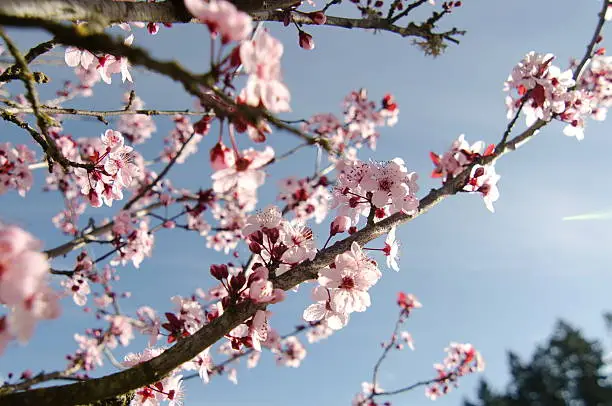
x,y
347,283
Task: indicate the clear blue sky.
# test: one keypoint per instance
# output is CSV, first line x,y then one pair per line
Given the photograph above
x,y
497,280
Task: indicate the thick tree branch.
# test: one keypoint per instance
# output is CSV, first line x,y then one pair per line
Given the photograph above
x,y
105,12
102,114
187,348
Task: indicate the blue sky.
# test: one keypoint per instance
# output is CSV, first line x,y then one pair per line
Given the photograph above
x,y
497,280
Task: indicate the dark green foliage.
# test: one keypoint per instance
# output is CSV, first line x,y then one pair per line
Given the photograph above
x,y
566,371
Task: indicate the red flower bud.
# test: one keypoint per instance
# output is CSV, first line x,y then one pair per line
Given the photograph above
x,y
306,41
219,272
318,17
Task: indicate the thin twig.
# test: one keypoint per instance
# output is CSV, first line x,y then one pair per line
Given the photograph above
x,y
589,51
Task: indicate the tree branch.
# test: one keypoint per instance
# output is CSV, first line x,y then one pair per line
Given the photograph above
x,y
186,349
105,12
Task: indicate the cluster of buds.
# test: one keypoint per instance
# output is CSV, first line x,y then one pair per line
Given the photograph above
x,y
461,360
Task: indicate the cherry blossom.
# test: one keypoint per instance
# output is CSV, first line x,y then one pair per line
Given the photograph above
x,y
14,168
292,352
246,174
459,156
322,310
222,18
391,250
461,360
350,280
75,57
483,179
260,58
137,128
362,187
78,287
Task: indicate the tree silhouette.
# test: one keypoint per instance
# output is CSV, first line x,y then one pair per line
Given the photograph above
x,y
567,370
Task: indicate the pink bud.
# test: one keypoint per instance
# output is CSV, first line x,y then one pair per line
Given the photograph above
x,y
318,17
306,41
219,271
221,157
339,225
203,125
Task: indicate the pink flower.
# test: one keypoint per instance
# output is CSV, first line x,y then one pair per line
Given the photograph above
x,y
136,127
22,267
14,168
150,323
352,276
78,57
322,310
261,289
483,179
292,352
261,60
42,305
261,56
391,250
109,64
113,140
246,174
270,217
90,351
120,165
121,328
202,363
78,287
221,17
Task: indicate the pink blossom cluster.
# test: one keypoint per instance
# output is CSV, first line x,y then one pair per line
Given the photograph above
x,y
132,243
382,187
362,116
222,18
78,284
231,217
278,242
184,138
363,398
459,156
113,170
545,92
482,179
14,168
170,389
23,286
260,58
241,175
136,128
105,65
306,198
291,353
461,360
343,288
67,219
596,81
